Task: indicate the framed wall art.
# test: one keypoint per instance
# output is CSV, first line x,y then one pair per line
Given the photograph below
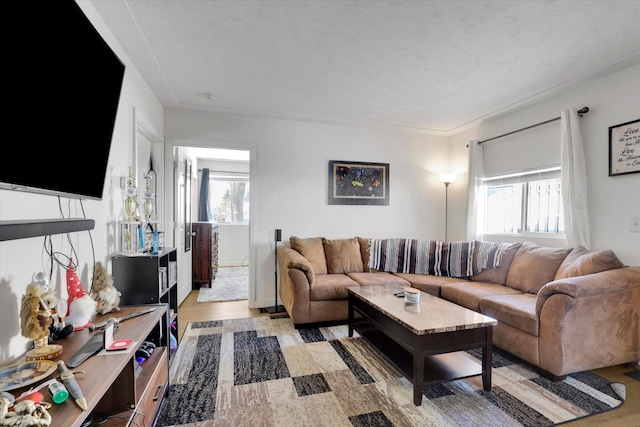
x,y
358,183
624,148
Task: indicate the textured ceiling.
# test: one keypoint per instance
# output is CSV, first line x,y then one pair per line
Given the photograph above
x,y
437,66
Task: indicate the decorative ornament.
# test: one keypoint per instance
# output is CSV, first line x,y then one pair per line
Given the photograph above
x,y
81,306
131,198
35,321
26,413
148,196
103,292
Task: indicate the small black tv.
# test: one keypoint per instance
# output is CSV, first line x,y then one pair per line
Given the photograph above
x,y
64,84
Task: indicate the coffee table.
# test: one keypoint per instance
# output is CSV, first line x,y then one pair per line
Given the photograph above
x,y
424,340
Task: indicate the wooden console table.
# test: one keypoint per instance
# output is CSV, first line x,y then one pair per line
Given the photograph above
x,y
114,385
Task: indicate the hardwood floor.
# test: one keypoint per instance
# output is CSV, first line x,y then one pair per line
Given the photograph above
x,y
628,414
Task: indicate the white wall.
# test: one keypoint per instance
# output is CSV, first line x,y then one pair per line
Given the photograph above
x,y
612,201
233,245
20,259
289,180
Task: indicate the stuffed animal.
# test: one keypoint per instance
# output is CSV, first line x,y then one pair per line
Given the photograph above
x,y
35,316
81,306
48,294
106,295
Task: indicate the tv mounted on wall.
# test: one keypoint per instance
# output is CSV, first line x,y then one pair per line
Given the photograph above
x,y
64,87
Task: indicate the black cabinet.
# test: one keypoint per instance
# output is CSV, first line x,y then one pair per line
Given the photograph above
x,y
149,279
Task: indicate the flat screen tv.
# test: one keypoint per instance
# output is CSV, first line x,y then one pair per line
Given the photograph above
x,y
64,84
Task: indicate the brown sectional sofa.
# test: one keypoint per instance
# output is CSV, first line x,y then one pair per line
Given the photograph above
x,y
563,310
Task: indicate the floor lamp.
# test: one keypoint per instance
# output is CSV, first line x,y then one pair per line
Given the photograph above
x,y
277,237
447,178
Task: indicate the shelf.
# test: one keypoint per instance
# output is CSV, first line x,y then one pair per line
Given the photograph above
x,y
147,254
11,230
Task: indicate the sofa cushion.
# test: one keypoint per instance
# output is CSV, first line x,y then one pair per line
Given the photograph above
x,y
427,283
498,275
330,287
365,247
312,249
581,262
377,278
517,310
468,294
534,266
343,256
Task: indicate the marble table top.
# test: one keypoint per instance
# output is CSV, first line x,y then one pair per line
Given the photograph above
x,y
430,315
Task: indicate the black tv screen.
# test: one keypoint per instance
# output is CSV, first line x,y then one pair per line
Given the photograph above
x,y
64,84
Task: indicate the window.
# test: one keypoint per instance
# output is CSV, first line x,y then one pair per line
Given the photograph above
x,y
229,197
524,203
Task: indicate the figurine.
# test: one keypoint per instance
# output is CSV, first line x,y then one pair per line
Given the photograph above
x,y
103,292
35,315
57,307
81,306
25,413
48,294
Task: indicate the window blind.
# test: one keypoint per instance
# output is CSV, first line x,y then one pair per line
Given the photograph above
x,y
524,176
530,150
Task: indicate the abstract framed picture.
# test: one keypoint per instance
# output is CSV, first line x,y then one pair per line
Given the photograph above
x,y
358,183
624,148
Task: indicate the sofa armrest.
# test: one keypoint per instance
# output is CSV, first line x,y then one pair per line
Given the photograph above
x,y
296,277
589,322
605,282
291,259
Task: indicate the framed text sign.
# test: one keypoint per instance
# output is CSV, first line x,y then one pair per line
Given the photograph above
x,y
624,148
358,183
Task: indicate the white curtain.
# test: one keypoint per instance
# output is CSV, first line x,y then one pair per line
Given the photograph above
x,y
574,181
475,199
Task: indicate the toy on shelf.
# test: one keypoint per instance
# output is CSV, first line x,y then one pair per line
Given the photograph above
x,y
57,306
81,306
103,292
36,319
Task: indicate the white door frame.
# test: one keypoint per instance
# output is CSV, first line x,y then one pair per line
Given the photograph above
x,y
172,162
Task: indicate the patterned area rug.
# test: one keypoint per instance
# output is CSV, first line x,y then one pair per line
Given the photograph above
x,y
230,284
263,372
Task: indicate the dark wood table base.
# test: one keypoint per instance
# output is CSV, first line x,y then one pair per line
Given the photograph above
x,y
426,358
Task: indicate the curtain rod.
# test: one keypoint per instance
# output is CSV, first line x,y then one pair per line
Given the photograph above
x,y
583,110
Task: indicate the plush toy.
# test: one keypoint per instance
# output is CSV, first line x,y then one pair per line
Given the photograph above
x,y
48,295
56,306
103,292
81,306
35,315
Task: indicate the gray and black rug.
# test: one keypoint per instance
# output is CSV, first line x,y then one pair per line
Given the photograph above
x,y
262,371
230,284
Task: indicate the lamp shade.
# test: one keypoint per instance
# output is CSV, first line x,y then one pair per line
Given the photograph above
x,y
448,178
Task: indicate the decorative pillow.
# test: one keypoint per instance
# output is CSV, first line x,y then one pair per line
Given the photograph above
x,y
365,247
534,266
498,275
312,249
343,256
581,262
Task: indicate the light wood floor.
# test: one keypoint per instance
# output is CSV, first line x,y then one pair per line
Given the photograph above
x,y
626,415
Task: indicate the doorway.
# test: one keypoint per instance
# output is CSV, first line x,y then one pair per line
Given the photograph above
x,y
231,208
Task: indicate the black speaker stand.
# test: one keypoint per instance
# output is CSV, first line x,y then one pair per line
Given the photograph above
x,y
276,308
